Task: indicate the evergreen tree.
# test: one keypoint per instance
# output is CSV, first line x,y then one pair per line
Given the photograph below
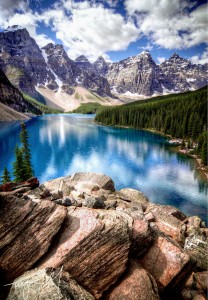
x,y
5,176
204,153
18,165
26,151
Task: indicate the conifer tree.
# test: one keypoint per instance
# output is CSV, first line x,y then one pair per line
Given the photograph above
x,y
204,152
5,176
18,165
26,151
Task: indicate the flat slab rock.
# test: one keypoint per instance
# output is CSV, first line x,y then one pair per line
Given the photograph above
x,y
47,284
166,262
136,284
26,231
93,247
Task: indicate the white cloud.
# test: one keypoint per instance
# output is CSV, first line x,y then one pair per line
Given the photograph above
x,y
160,59
200,59
168,23
148,47
90,28
25,18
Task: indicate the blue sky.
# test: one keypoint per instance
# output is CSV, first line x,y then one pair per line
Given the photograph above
x,y
114,29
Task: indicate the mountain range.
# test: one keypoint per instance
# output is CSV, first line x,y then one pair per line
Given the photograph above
x,y
51,77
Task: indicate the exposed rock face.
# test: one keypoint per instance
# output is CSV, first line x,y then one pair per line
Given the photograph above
x,y
98,246
136,284
27,229
49,70
10,95
183,74
60,64
164,217
88,76
93,247
166,262
101,66
12,98
138,74
47,284
28,67
22,61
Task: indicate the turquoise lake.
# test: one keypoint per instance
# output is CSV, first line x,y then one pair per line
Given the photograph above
x,y
65,144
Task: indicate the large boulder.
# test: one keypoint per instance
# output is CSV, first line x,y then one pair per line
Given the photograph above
x,y
169,220
47,284
136,284
135,196
166,261
141,237
93,246
26,232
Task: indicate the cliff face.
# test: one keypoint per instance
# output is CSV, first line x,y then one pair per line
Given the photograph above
x,y
139,75
50,71
88,240
183,74
13,105
22,61
29,67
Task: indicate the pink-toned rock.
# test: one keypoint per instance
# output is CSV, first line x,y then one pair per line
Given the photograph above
x,y
26,231
149,217
141,237
93,247
10,186
167,222
166,262
136,284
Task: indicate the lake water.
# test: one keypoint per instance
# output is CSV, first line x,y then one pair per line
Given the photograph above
x,y
65,144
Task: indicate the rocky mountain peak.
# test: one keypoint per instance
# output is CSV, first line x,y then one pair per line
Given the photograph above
x,y
144,56
82,59
183,74
177,59
100,59
101,66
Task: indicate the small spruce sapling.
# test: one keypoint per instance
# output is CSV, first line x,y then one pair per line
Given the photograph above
x,y
5,176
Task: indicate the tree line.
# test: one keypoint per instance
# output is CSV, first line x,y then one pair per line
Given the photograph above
x,y
181,116
22,167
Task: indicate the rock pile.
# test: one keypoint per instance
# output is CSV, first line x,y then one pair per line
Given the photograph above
x,y
76,237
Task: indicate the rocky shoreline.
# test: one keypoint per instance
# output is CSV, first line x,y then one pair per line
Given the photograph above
x,y
76,237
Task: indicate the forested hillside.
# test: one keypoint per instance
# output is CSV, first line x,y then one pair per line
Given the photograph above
x,y
182,116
